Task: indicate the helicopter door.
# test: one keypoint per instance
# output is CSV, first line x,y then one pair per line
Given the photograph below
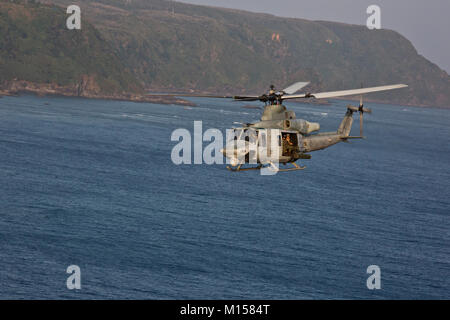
x,y
289,143
300,142
274,144
263,145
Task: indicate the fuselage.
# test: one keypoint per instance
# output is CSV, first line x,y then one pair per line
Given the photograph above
x,y
280,137
261,146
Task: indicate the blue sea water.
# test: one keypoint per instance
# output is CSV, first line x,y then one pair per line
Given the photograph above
x,y
91,183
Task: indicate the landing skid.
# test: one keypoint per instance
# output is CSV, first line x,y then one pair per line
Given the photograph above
x,y
295,168
239,168
271,166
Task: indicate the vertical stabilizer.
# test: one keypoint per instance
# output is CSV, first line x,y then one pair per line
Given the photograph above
x,y
346,125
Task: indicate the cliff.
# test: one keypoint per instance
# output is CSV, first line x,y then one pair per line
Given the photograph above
x,y
129,46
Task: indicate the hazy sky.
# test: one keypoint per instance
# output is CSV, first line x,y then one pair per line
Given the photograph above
x,y
426,23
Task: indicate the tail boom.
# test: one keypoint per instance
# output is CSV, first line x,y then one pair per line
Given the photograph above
x,y
324,140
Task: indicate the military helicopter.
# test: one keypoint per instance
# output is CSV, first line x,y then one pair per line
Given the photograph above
x,y
279,137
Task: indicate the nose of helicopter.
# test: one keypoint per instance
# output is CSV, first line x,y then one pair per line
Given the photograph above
x,y
229,150
234,154
231,155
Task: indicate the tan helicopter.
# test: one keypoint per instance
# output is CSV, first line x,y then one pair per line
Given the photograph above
x,y
279,137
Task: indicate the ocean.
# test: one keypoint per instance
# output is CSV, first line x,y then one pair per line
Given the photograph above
x,y
91,183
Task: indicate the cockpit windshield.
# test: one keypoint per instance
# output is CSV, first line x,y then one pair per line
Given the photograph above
x,y
244,134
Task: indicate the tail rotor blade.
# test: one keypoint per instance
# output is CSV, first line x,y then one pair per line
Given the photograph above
x,y
361,112
361,124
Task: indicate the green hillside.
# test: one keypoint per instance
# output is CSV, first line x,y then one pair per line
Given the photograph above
x,y
36,46
177,46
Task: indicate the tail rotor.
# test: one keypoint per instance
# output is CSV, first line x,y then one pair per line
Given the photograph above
x,y
361,109
361,112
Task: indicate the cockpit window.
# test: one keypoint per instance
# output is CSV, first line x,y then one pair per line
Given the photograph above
x,y
245,134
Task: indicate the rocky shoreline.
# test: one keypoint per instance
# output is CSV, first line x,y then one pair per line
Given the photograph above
x,y
15,88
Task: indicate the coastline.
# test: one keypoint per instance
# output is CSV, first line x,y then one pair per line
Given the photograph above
x,y
16,88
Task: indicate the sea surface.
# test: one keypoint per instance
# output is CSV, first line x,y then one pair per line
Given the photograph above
x,y
91,183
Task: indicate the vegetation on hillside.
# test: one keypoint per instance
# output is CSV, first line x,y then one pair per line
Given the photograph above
x,y
36,46
165,45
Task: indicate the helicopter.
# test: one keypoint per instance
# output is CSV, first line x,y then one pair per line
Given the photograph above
x,y
279,137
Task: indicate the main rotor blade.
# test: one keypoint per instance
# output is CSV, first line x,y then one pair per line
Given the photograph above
x,y
188,95
247,98
238,98
293,88
342,93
